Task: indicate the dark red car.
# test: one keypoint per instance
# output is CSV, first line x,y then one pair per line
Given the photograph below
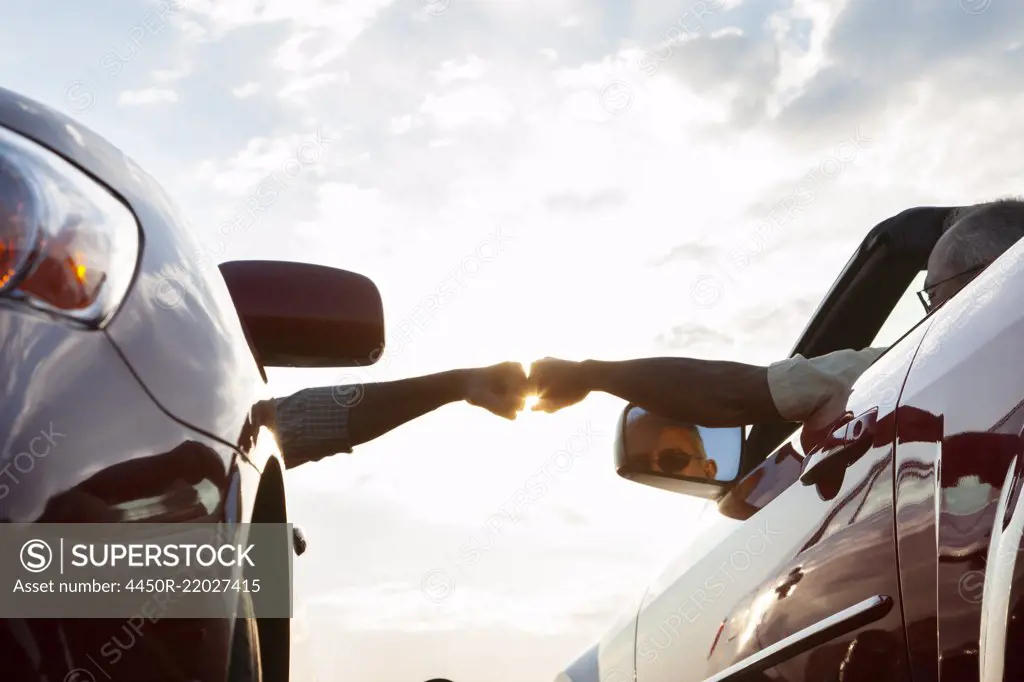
x,y
132,387
884,547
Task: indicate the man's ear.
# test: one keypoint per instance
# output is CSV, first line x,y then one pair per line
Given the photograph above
x,y
711,467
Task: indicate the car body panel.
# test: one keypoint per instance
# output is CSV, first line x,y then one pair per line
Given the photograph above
x,y
162,416
818,596
801,555
612,658
854,309
88,445
912,521
960,423
177,326
77,413
1002,607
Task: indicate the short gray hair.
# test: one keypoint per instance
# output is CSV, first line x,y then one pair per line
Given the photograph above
x,y
977,235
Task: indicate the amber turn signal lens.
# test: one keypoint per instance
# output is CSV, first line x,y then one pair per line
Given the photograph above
x,y
67,245
16,233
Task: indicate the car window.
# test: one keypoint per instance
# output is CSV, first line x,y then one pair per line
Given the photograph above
x,y
905,315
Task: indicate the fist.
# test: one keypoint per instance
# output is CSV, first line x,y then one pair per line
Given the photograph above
x,y
499,389
557,384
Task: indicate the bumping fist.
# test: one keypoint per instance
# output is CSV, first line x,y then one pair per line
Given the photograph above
x,y
557,384
501,389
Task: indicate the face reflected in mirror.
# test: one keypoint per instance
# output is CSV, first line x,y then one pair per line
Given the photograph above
x,y
680,452
667,447
663,446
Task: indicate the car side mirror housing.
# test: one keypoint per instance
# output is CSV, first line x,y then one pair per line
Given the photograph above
x,y
304,315
676,456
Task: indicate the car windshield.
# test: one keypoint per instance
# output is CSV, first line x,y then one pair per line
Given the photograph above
x,y
905,315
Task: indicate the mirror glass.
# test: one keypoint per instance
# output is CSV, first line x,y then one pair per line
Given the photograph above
x,y
664,447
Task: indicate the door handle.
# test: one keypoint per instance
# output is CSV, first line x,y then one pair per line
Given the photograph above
x,y
298,541
843,447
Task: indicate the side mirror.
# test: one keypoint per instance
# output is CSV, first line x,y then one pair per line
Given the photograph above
x,y
675,456
303,315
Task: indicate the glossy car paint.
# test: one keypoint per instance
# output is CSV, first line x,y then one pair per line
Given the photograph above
x,y
611,658
160,416
911,520
777,558
960,423
796,556
177,327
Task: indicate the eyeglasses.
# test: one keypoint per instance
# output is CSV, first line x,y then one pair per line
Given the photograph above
x,y
926,294
674,459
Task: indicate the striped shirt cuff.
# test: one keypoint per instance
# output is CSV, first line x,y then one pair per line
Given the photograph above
x,y
313,423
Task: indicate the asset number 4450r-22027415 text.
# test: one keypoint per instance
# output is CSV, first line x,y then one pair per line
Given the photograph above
x,y
192,585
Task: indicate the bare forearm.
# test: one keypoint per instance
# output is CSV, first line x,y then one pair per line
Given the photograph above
x,y
318,422
711,393
382,407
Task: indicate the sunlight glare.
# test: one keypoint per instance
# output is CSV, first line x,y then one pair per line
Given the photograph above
x,y
531,399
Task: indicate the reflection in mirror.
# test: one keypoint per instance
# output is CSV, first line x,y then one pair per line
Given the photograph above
x,y
659,446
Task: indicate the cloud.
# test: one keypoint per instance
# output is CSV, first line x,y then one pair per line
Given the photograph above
x,y
466,128
694,339
319,33
287,159
791,313
246,90
471,68
583,203
800,69
492,113
131,98
736,69
308,50
298,89
348,17
483,105
695,251
361,208
403,124
171,75
911,43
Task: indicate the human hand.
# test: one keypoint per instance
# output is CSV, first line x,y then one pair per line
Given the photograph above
x,y
500,389
557,384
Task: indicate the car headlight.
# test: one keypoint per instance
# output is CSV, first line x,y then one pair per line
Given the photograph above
x,y
67,245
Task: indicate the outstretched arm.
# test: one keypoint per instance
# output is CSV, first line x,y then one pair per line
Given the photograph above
x,y
713,393
707,392
317,422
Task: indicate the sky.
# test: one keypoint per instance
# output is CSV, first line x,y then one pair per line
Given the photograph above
x,y
599,179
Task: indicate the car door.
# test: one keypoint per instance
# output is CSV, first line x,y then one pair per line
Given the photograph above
x,y
798,579
804,578
959,511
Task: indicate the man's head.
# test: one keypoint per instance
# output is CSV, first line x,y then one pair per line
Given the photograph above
x,y
975,236
668,447
680,452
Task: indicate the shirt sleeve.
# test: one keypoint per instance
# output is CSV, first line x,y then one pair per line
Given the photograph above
x,y
313,423
801,387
